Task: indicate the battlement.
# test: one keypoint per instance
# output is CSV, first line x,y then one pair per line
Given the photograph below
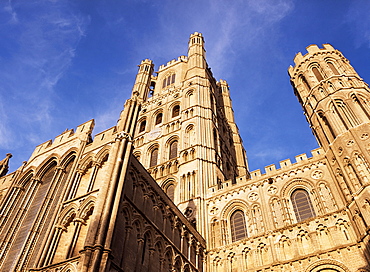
x,y
172,62
68,135
146,61
284,164
311,49
196,34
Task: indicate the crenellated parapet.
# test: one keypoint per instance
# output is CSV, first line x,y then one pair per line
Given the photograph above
x,y
172,63
300,159
82,133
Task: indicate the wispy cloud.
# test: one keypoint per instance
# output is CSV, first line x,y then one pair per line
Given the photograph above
x,y
13,15
242,24
39,39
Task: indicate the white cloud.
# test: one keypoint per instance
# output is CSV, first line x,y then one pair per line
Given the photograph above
x,y
241,25
40,39
13,15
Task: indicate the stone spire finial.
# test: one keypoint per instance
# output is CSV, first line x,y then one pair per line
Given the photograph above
x,y
4,165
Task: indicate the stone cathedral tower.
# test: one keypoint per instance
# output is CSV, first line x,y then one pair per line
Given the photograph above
x,y
186,135
168,187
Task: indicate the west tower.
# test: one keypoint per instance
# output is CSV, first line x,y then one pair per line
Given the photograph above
x,y
186,135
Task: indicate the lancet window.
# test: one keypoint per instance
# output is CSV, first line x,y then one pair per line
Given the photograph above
x,y
332,67
153,157
317,74
346,113
170,191
305,83
302,205
173,150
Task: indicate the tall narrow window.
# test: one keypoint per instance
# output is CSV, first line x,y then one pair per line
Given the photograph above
x,y
170,191
176,111
332,67
346,112
302,205
317,74
153,157
238,227
305,83
158,118
142,126
173,150
173,78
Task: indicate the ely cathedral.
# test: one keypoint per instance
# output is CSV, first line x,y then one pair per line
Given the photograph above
x,y
168,187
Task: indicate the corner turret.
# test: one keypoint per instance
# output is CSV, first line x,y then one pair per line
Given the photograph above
x,y
140,93
332,94
196,55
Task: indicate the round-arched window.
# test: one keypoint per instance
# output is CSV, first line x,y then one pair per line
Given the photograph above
x,y
238,226
302,205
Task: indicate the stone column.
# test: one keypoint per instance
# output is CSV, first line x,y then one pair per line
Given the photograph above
x,y
93,176
77,222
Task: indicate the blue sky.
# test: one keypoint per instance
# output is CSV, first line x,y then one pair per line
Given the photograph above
x,y
65,62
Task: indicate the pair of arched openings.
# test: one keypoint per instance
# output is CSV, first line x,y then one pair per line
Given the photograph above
x,y
302,207
318,73
69,240
168,80
340,118
158,119
172,153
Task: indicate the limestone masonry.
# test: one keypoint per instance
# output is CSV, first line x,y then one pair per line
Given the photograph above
x,y
168,188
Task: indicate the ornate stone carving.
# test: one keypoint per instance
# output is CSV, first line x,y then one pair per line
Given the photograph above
x,y
317,174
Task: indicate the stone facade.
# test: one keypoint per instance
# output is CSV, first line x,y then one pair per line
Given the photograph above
x,y
168,188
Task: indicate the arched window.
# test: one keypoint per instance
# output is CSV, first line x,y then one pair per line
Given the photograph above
x,y
173,77
176,111
305,83
238,227
346,113
173,150
302,205
332,67
137,155
170,191
168,80
158,118
317,74
142,126
153,157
